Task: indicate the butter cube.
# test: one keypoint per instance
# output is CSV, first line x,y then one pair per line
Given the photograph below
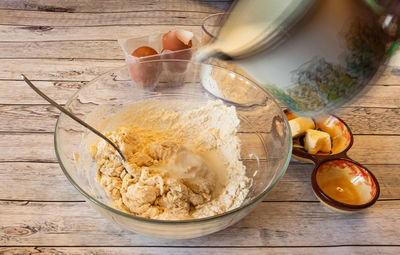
x,y
299,125
316,141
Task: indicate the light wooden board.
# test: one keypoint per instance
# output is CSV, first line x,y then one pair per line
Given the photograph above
x,y
54,19
18,92
39,147
36,178
378,96
388,74
42,118
49,33
355,250
57,70
271,223
105,6
295,185
371,120
71,74
62,49
108,48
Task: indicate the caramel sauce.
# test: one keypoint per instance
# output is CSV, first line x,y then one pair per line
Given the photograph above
x,y
342,190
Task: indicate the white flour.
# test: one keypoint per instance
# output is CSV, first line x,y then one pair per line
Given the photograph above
x,y
184,159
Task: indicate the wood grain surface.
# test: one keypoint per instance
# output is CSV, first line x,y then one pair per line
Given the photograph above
x,y
54,223
62,45
115,6
294,186
30,33
356,250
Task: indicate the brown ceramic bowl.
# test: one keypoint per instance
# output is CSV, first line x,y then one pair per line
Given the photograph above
x,y
342,139
344,185
338,182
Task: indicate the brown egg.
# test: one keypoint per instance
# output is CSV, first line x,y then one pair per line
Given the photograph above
x,y
171,42
180,41
144,51
144,74
176,66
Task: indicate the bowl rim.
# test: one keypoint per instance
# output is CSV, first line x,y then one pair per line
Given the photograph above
x,y
204,21
335,203
173,222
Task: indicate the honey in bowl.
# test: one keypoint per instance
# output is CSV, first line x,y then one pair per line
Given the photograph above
x,y
338,182
345,182
342,190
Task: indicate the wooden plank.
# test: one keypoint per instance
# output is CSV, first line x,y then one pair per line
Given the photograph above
x,y
371,149
103,50
26,118
111,50
30,181
156,17
387,75
364,120
377,96
295,185
62,49
105,6
39,147
42,118
355,250
71,73
49,33
27,147
56,69
270,224
18,92
391,76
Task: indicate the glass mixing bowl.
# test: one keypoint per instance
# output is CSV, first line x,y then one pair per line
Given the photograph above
x,y
266,142
212,23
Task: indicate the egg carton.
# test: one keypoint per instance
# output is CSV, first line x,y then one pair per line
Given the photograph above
x,y
173,72
128,45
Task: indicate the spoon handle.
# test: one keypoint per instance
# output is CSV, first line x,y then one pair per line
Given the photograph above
x,y
72,116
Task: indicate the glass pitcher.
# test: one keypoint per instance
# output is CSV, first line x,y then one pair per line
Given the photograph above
x,y
313,56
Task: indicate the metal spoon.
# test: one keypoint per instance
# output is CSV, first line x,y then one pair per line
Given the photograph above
x,y
72,116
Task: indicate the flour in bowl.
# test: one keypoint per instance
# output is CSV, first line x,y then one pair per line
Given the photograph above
x,y
184,161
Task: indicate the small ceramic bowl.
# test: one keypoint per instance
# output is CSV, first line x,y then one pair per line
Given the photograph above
x,y
338,182
344,185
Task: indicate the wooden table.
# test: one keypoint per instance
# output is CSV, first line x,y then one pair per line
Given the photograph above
x,y
62,45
